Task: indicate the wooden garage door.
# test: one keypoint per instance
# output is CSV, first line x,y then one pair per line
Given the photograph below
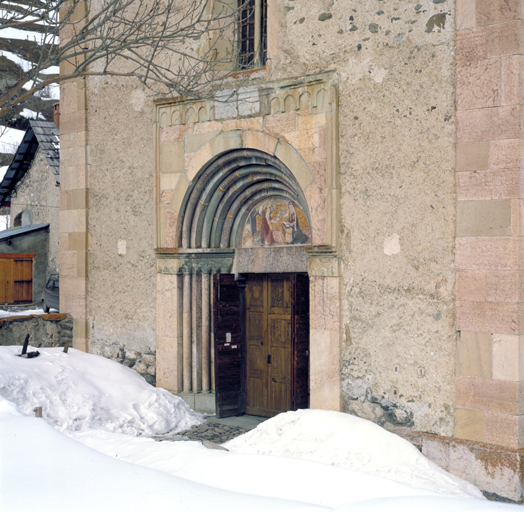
x,y
16,278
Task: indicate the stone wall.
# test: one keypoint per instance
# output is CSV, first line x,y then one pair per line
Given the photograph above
x,y
394,66
53,330
395,63
38,197
387,313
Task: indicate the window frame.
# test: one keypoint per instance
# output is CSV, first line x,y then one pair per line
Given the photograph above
x,y
252,56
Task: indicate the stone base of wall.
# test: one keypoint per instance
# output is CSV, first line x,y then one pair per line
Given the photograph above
x,y
495,470
199,402
144,363
53,330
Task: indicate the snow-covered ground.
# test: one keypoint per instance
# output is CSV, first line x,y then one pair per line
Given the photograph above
x,y
93,450
6,313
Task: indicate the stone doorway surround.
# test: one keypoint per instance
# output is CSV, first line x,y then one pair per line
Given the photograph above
x,y
290,130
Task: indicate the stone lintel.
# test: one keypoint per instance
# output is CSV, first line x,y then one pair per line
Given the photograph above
x,y
195,261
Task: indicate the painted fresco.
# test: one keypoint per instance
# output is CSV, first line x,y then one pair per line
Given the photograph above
x,y
275,222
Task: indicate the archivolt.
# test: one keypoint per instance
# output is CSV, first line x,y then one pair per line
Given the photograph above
x,y
224,192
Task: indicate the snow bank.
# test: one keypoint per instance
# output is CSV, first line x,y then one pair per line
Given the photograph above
x,y
349,442
275,477
81,391
6,313
42,469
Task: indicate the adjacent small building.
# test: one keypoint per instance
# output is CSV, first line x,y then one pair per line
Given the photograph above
x,y
30,190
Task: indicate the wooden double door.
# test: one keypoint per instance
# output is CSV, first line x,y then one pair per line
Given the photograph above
x,y
269,365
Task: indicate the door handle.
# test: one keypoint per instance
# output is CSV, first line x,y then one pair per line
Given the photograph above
x,y
269,359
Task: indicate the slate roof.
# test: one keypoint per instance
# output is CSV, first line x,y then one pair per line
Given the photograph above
x,y
11,233
42,134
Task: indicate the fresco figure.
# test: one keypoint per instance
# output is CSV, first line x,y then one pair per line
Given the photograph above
x,y
297,235
267,234
275,222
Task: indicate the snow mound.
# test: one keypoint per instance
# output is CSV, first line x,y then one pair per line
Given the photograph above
x,y
352,443
80,391
42,469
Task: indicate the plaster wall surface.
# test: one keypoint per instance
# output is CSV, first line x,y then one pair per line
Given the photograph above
x,y
122,266
395,63
38,196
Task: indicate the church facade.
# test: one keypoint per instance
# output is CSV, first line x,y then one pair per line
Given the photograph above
x,y
336,227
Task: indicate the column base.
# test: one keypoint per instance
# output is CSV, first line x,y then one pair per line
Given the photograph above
x,y
199,402
496,470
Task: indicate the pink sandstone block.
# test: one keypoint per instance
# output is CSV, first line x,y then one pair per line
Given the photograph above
x,y
471,44
470,285
495,11
487,253
488,124
478,84
504,39
487,395
500,317
487,185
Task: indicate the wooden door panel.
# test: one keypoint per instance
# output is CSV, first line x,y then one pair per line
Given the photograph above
x,y
279,294
277,340
4,273
300,330
23,280
256,333
228,356
280,369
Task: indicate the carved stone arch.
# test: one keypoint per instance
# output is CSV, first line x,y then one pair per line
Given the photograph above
x,y
202,115
289,103
322,102
225,191
191,115
275,105
305,101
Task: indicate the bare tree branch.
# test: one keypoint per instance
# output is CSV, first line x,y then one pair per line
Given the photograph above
x,y
176,47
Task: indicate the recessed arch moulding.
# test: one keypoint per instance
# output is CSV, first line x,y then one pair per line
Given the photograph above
x,y
251,171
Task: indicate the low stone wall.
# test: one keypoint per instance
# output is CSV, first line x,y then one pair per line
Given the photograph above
x,y
53,330
144,363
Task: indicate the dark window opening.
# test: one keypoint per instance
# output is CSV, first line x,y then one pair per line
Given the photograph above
x,y
263,23
252,33
18,220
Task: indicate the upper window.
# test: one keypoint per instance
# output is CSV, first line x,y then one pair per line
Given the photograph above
x,y
252,33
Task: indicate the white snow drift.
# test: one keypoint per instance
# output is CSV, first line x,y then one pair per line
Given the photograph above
x,y
352,443
98,466
79,391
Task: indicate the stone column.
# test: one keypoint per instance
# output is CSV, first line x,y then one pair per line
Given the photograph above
x,y
212,333
169,330
324,343
74,201
186,332
206,328
196,332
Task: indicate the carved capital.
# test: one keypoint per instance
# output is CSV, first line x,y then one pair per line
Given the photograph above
x,y
323,262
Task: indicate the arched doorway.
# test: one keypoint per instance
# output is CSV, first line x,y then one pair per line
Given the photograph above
x,y
247,205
